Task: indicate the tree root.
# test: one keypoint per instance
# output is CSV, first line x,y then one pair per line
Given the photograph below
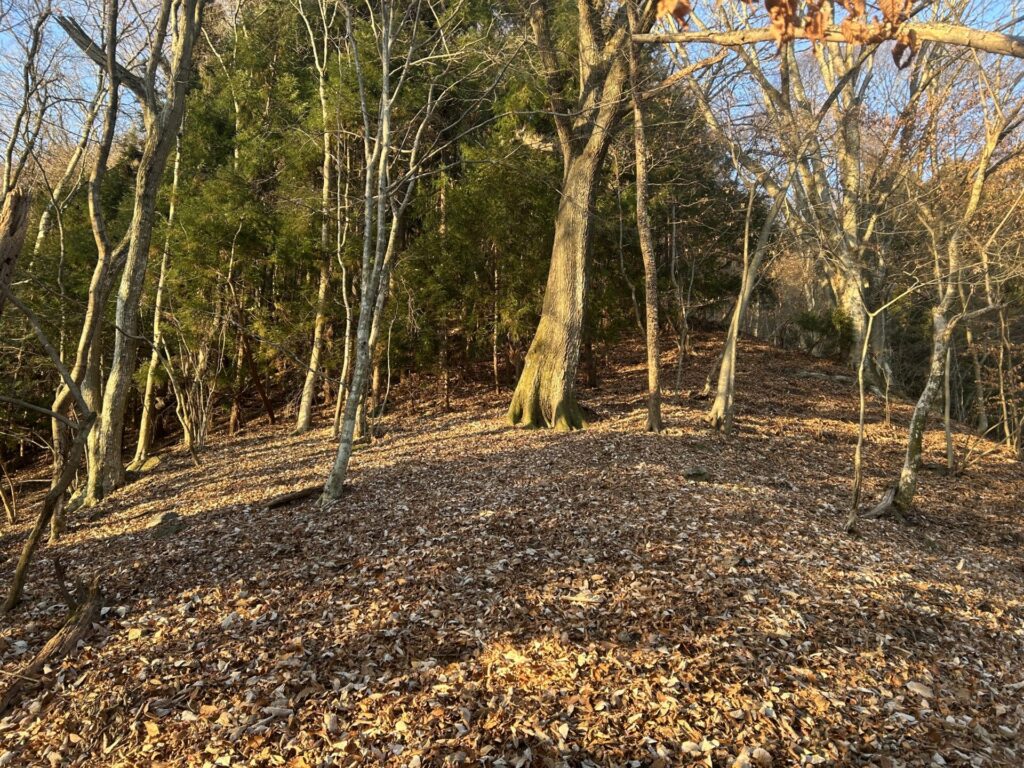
x,y
885,508
75,627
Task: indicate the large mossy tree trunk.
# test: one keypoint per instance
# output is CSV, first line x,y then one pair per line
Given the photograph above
x,y
545,395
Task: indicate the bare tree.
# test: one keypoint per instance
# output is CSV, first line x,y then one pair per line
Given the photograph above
x,y
176,27
29,88
147,420
407,39
1002,110
319,30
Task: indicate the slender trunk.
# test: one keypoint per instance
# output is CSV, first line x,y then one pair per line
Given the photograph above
x,y
946,414
305,416
721,414
446,379
495,323
858,452
1008,383
236,417
145,440
379,237
257,381
53,496
907,484
643,225
110,472
346,362
980,399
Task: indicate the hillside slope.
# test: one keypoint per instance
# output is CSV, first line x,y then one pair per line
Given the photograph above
x,y
485,596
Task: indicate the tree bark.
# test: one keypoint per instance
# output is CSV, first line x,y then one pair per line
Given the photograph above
x,y
145,440
13,226
907,485
545,395
721,414
304,419
162,121
643,225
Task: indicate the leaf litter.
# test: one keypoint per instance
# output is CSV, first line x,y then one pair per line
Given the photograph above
x,y
488,596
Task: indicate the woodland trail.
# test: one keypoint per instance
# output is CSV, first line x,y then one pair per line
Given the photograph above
x,y
489,596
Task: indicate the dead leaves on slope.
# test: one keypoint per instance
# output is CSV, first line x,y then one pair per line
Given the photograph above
x,y
494,597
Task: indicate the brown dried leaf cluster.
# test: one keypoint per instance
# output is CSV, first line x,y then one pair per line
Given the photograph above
x,y
492,597
678,9
787,16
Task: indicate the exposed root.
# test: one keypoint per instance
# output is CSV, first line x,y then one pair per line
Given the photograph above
x,y
75,628
885,508
529,409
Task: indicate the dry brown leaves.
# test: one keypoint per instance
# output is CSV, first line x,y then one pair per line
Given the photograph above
x,y
788,17
485,596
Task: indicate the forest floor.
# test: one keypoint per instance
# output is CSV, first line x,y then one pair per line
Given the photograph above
x,y
498,597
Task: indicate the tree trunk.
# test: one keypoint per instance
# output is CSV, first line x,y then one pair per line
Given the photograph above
x,y
53,496
235,416
907,485
495,325
947,421
145,440
162,121
721,413
545,395
305,417
110,472
13,226
643,225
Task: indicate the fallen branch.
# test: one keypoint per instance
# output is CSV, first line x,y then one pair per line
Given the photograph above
x,y
75,628
287,498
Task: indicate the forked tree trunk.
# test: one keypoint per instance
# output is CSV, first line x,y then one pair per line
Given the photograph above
x,y
179,25
110,474
545,395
